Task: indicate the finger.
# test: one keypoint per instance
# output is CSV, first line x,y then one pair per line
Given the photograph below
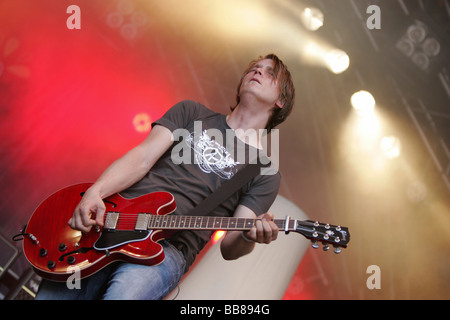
x,y
267,231
275,230
250,234
70,222
254,233
81,220
77,224
273,233
268,216
73,220
85,218
259,231
99,216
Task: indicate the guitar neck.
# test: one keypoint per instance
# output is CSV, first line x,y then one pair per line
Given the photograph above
x,y
313,230
212,223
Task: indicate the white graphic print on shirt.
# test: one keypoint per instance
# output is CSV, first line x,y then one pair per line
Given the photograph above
x,y
211,156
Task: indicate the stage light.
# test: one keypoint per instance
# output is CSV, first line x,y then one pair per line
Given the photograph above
x,y
312,18
431,47
142,122
416,32
128,19
337,61
406,46
419,45
219,234
421,60
363,103
391,147
366,125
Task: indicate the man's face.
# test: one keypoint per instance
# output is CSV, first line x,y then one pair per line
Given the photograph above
x,y
260,81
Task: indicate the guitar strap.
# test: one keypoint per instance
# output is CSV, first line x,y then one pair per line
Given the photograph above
x,y
227,189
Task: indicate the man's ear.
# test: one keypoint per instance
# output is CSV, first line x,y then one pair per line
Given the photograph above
x,y
280,103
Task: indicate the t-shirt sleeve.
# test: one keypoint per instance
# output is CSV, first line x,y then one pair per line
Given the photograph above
x,y
180,115
262,193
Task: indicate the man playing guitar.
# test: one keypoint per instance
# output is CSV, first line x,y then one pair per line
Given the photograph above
x,y
265,98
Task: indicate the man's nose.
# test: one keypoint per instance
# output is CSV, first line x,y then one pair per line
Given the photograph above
x,y
258,71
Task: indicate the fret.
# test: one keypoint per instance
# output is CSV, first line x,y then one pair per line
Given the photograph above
x,y
188,222
205,223
178,223
211,222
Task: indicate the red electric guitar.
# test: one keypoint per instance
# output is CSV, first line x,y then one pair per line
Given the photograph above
x,y
131,231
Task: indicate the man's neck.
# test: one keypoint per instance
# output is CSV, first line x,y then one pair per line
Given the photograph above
x,y
249,123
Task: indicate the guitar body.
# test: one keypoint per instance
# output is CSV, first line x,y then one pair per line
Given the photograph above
x,y
56,251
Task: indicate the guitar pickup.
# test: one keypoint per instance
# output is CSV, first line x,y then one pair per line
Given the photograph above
x,y
142,222
111,220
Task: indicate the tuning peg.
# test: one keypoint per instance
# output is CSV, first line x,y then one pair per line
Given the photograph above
x,y
326,247
315,245
337,250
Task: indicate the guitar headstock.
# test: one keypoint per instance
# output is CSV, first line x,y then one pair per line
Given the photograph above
x,y
336,236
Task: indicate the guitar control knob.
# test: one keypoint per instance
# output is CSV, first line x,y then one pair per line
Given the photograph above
x,y
42,252
51,264
62,247
71,260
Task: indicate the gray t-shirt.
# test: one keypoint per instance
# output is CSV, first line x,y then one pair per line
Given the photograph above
x,y
206,155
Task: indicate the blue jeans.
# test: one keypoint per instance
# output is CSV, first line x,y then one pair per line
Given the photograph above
x,y
123,281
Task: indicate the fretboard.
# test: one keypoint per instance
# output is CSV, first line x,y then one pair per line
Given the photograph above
x,y
210,223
